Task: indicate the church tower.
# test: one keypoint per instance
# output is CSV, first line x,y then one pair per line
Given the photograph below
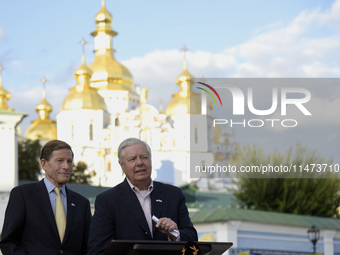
x,y
83,117
42,128
8,147
185,112
4,94
190,125
112,79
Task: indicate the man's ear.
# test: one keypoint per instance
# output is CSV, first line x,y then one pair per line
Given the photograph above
x,y
43,163
121,163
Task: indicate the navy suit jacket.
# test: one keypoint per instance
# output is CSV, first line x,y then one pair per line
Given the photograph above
x,y
119,215
30,227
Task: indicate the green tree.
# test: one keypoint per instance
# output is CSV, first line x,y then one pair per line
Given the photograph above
x,y
78,174
303,193
28,157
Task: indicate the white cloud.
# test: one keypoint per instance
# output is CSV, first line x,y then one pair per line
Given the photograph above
x,y
292,50
335,10
32,97
155,66
158,70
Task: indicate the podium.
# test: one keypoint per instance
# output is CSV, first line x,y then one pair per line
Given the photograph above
x,y
142,247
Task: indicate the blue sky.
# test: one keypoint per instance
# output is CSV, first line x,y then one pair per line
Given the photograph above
x,y
244,38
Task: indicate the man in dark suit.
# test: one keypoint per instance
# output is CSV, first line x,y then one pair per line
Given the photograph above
x,y
125,211
30,226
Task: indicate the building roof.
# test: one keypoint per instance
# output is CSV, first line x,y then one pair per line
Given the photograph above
x,y
10,112
212,200
264,217
88,191
209,207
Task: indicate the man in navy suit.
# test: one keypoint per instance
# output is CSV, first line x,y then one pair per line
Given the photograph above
x,y
124,212
30,226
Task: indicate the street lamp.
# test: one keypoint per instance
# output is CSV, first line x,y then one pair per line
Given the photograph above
x,y
313,235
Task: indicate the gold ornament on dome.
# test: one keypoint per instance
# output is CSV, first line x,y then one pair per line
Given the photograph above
x,y
83,96
42,128
185,101
108,73
4,94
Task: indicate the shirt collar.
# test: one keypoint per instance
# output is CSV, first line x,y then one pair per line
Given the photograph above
x,y
133,187
50,186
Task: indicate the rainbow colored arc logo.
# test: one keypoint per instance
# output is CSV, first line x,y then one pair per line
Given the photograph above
x,y
211,88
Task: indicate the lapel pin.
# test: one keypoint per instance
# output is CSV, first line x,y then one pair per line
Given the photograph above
x,y
159,200
73,204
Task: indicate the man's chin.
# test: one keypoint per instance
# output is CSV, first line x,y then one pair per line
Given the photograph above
x,y
63,181
142,178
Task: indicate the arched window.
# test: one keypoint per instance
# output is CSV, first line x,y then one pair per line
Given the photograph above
x,y
72,131
91,131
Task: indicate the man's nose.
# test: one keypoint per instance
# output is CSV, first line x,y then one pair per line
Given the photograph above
x,y
65,164
139,161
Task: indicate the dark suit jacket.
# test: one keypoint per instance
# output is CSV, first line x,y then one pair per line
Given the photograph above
x,y
30,227
118,215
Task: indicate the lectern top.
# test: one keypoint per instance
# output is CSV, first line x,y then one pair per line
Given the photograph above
x,y
142,247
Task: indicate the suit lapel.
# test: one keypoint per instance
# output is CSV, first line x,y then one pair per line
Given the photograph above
x,y
130,200
71,212
157,200
45,203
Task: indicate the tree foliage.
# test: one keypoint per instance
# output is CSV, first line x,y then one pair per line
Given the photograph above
x,y
306,194
79,174
28,157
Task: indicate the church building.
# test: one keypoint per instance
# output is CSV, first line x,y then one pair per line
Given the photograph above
x,y
105,106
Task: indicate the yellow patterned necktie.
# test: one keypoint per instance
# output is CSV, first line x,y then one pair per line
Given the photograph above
x,y
60,217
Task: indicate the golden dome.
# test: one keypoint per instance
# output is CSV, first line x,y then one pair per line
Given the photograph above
x,y
42,128
103,15
4,97
103,20
83,96
4,94
184,106
185,101
108,73
43,109
185,76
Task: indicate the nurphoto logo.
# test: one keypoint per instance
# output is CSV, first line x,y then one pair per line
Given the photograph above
x,y
212,89
244,103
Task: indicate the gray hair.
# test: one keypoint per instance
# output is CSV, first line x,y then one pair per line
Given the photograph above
x,y
130,141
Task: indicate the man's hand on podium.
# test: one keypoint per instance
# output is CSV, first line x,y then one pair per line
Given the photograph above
x,y
166,226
